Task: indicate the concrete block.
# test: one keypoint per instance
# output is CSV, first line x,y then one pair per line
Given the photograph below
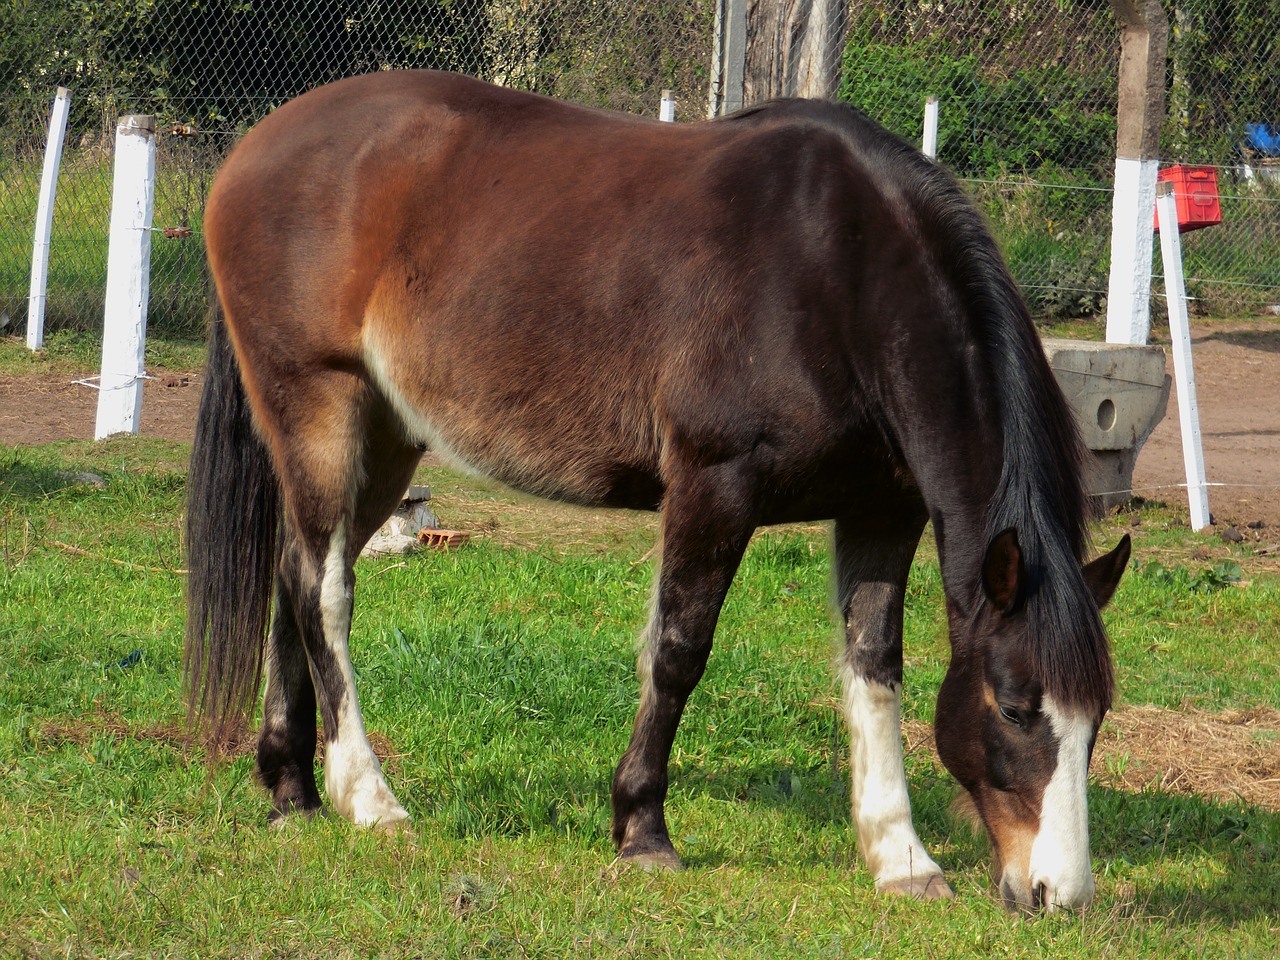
x,y
400,533
1119,392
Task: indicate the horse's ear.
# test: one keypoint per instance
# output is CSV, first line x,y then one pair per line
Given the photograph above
x,y
1103,575
1002,574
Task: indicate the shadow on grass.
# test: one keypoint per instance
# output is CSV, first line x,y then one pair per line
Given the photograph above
x,y
1224,858
120,466
1182,859
28,481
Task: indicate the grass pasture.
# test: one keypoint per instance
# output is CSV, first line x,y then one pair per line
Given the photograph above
x,y
498,681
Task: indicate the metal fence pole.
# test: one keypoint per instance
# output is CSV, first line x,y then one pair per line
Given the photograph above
x,y
124,334
44,219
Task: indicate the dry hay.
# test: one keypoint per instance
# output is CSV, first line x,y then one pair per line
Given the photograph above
x,y
1234,755
192,743
1229,756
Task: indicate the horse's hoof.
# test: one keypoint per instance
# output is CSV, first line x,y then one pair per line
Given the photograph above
x,y
930,887
653,860
394,828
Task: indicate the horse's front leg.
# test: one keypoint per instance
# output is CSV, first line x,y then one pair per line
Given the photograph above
x,y
705,529
871,576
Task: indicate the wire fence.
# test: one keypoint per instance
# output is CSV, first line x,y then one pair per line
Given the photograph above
x,y
208,69
1028,102
1027,110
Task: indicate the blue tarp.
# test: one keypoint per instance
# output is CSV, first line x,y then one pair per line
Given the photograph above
x,y
1262,137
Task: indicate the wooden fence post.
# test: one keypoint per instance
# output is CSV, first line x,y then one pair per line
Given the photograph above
x,y
728,57
1143,46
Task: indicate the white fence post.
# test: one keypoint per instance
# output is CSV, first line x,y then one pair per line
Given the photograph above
x,y
1180,335
124,333
44,219
1132,243
929,143
667,108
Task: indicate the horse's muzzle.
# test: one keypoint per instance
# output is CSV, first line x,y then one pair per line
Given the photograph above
x,y
1028,895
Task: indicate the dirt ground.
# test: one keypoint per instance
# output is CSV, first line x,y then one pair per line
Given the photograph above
x,y
42,408
1237,373
1237,370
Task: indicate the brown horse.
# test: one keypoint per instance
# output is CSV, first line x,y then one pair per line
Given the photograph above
x,y
784,315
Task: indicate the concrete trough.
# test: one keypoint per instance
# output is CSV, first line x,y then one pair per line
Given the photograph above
x,y
1119,393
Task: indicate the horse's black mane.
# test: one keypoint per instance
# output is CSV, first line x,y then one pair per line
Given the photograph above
x,y
1040,492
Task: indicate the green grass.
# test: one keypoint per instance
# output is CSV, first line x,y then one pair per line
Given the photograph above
x,y
501,677
79,351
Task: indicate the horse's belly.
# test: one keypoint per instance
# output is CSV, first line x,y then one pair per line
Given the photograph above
x,y
558,447
590,476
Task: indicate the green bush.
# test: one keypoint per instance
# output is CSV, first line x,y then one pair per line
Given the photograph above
x,y
1035,163
987,127
890,84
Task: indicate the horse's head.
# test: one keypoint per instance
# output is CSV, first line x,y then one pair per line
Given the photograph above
x,y
1020,740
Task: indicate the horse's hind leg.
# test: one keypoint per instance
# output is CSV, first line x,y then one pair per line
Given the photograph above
x,y
287,740
338,488
871,577
705,529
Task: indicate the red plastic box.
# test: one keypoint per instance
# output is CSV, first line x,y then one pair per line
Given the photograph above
x,y
1196,190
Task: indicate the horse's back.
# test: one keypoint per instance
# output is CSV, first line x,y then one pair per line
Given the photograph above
x,y
564,298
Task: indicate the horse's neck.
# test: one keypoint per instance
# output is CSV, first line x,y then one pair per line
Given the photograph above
x,y
947,421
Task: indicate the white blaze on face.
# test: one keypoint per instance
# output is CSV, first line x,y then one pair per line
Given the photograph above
x,y
1060,853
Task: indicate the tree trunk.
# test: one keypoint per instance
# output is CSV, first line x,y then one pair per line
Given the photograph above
x,y
794,48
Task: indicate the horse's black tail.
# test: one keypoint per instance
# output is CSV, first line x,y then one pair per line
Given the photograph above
x,y
234,512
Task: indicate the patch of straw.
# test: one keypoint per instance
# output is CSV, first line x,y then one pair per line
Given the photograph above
x,y
1234,755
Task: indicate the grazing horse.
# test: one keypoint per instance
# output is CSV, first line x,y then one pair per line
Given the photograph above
x,y
784,315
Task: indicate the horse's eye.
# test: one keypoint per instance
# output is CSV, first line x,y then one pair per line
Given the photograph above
x,y
1013,715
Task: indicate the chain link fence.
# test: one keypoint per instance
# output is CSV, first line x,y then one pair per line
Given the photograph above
x,y
1028,102
1027,110
209,69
